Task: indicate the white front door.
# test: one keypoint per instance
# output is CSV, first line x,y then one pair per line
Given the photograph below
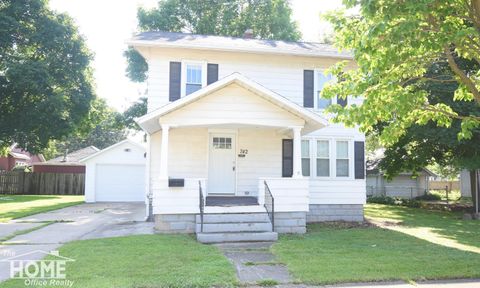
x,y
221,164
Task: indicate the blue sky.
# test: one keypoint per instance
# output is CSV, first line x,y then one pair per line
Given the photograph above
x,y
106,24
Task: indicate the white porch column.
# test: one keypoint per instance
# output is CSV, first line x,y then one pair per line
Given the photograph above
x,y
297,152
164,152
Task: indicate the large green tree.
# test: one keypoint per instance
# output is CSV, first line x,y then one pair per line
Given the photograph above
x,y
45,79
431,144
269,19
394,43
101,128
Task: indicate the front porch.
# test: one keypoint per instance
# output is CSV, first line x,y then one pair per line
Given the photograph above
x,y
218,150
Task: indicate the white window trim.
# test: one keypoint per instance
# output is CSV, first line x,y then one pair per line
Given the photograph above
x,y
329,158
349,158
184,74
315,90
309,156
332,157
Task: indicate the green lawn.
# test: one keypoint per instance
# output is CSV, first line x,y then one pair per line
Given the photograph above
x,y
18,206
327,254
144,261
446,224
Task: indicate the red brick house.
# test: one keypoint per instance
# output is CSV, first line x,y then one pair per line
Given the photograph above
x,y
19,157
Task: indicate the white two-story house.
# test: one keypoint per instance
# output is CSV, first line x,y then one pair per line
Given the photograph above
x,y
239,148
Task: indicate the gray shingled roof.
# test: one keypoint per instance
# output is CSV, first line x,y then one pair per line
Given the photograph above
x,y
221,43
74,156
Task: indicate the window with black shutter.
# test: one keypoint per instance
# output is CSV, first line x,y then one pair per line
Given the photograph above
x,y
287,158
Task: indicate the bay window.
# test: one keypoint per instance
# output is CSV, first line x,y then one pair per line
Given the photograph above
x,y
342,159
323,158
305,158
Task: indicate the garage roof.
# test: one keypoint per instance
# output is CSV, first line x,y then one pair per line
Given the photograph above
x,y
111,148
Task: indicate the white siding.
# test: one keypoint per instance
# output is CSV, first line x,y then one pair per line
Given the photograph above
x,y
189,146
281,74
290,194
338,191
264,158
232,105
188,154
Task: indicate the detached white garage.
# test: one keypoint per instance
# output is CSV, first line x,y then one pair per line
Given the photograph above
x,y
116,174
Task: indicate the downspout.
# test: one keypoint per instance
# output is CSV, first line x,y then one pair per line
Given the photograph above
x,y
148,192
477,176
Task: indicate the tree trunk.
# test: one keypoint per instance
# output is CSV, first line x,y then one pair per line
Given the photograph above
x,y
475,186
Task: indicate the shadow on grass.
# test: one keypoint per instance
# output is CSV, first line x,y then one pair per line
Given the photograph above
x,y
330,254
446,224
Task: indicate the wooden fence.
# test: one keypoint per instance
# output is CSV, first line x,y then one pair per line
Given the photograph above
x,y
440,185
18,182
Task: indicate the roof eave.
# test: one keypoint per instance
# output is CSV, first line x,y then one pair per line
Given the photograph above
x,y
316,121
143,43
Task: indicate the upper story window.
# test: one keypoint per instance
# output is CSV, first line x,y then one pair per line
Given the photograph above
x,y
322,79
193,81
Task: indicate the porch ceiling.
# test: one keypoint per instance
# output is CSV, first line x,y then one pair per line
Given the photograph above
x,y
233,100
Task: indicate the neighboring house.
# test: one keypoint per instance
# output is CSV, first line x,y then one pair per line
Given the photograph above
x,y
233,122
18,157
68,163
404,185
116,173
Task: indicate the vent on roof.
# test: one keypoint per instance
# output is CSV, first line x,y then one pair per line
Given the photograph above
x,y
248,34
65,156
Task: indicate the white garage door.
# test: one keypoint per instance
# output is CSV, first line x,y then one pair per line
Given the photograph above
x,y
117,183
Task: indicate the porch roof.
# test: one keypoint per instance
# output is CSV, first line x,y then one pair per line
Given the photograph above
x,y
150,122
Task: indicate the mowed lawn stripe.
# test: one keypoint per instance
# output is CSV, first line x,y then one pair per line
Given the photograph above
x,y
18,206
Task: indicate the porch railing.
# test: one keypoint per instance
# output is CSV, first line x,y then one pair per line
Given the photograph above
x,y
269,204
202,204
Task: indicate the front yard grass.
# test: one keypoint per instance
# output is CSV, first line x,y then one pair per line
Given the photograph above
x,y
144,261
329,254
448,225
18,206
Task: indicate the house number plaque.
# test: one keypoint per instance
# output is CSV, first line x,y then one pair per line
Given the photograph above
x,y
243,153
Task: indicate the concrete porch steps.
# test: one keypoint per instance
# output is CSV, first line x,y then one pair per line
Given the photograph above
x,y
235,227
237,237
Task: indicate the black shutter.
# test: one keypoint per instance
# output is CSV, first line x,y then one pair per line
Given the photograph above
x,y
175,81
308,88
287,158
212,73
359,160
342,102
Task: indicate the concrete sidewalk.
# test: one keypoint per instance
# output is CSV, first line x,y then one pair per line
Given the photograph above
x,y
459,283
86,221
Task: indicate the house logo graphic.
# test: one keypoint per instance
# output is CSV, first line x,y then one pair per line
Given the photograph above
x,y
38,271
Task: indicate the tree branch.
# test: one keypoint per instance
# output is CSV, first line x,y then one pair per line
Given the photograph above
x,y
464,79
449,114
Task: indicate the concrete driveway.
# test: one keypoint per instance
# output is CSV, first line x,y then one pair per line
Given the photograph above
x,y
85,221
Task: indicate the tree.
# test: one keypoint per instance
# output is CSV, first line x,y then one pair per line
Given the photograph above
x,y
431,144
394,43
45,78
102,127
138,109
269,19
